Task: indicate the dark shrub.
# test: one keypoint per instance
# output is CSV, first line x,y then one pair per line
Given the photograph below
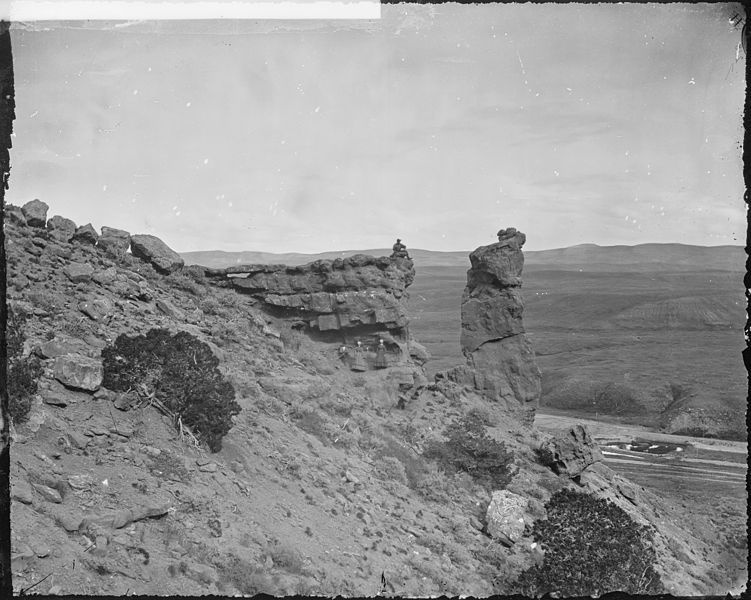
x,y
182,373
471,450
591,547
23,372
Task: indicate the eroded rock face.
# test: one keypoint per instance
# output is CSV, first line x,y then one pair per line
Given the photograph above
x,y
330,295
571,452
151,249
500,360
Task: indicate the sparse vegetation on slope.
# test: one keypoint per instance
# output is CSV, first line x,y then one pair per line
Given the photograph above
x,y
469,449
23,372
591,547
182,373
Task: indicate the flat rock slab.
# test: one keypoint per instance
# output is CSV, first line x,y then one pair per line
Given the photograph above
x,y
59,395
105,276
151,249
79,272
505,516
79,372
96,308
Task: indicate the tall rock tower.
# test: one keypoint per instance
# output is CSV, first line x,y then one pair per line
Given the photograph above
x,y
500,360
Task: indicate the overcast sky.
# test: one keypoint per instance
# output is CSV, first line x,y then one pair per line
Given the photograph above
x,y
439,124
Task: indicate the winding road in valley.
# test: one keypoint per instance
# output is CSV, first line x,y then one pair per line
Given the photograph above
x,y
692,459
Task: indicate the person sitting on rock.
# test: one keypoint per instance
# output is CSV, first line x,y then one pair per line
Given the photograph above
x,y
399,250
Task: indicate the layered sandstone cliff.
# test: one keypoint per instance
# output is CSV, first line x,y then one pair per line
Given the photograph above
x,y
360,293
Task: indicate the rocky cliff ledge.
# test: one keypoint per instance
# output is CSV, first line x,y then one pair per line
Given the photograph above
x,y
360,293
500,360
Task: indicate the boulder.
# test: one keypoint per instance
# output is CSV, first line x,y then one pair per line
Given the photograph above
x,y
78,372
86,234
105,276
20,490
153,250
68,520
48,493
505,517
114,242
78,272
571,452
96,308
35,213
61,229
14,215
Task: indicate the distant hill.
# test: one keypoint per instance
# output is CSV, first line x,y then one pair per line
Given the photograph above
x,y
587,257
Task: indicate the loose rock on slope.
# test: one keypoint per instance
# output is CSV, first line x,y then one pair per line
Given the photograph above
x,y
151,249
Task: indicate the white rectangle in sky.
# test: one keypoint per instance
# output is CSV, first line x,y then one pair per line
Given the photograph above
x,y
73,10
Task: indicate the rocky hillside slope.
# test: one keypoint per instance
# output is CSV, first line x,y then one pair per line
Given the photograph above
x,y
345,470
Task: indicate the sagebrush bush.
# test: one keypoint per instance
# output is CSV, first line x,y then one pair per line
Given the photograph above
x,y
310,419
390,468
591,547
469,449
23,372
186,280
415,468
182,373
247,578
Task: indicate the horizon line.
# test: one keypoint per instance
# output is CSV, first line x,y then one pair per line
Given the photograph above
x,y
365,250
